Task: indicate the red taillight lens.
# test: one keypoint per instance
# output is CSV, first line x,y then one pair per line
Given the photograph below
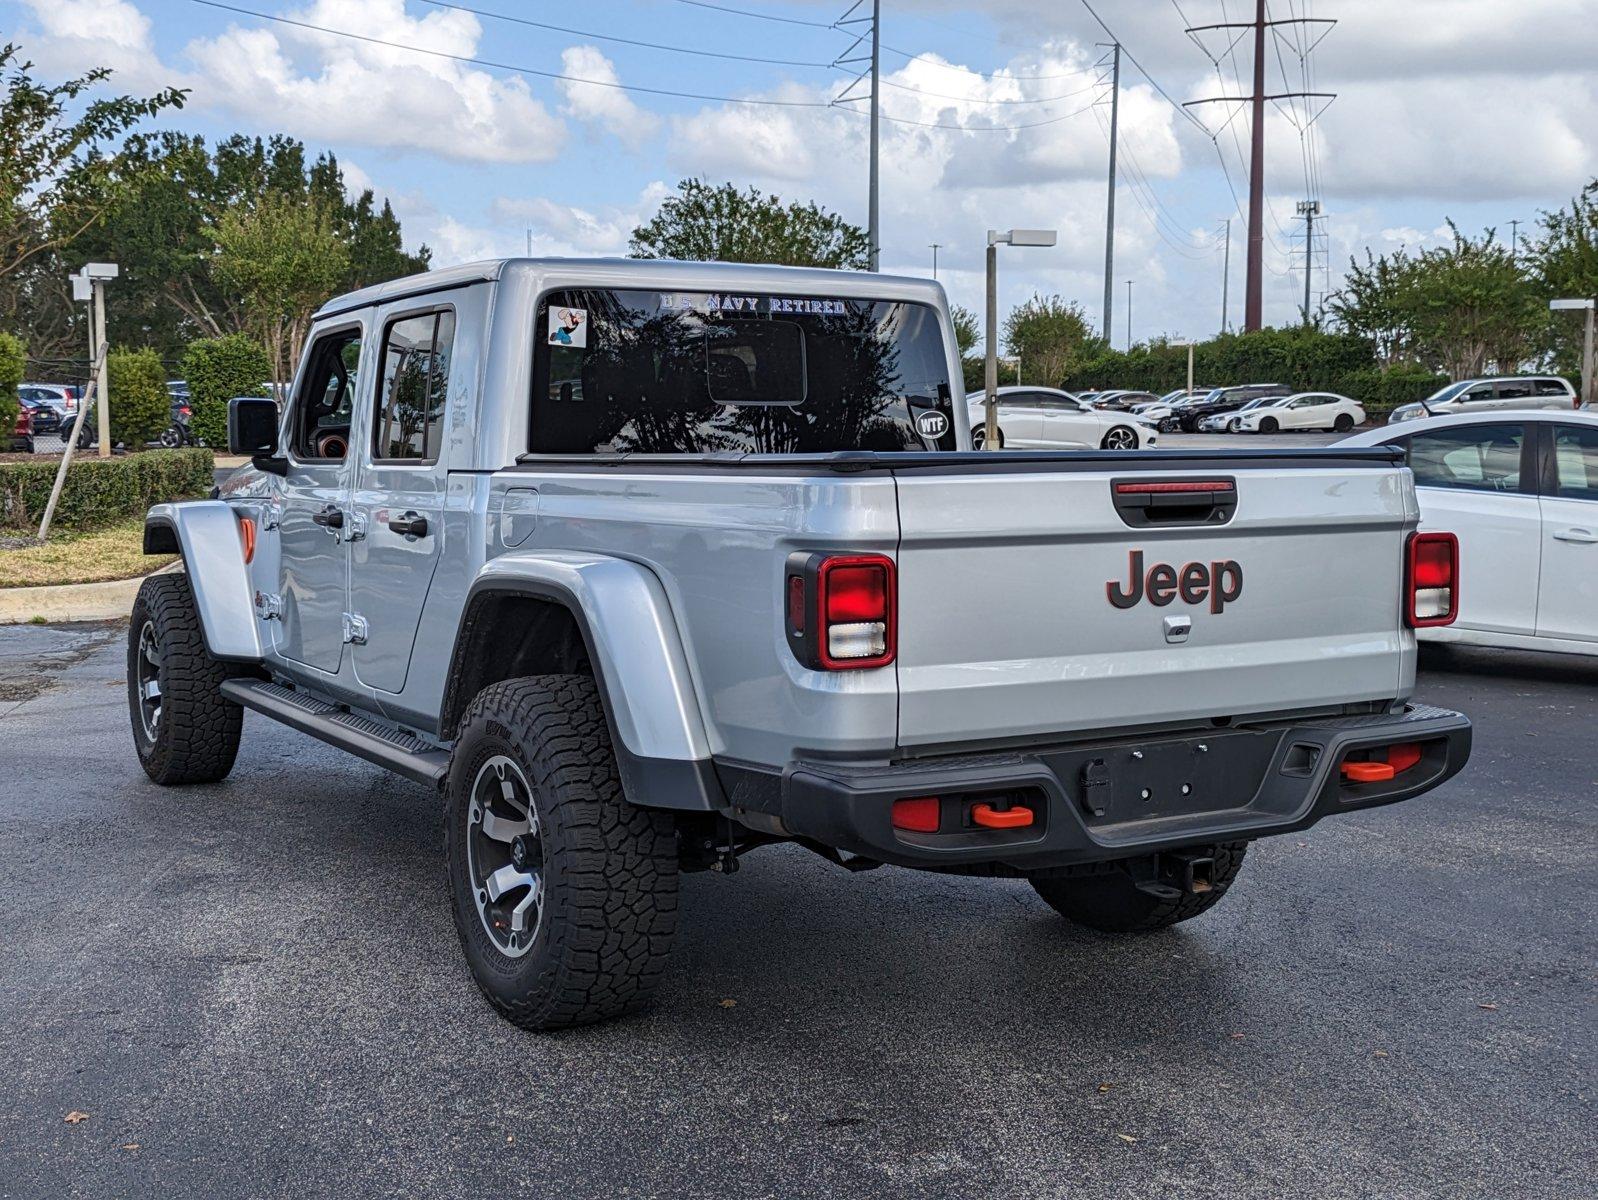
x,y
840,610
1431,580
184,409
918,815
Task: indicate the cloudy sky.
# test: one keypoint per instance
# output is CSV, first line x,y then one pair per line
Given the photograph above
x,y
996,117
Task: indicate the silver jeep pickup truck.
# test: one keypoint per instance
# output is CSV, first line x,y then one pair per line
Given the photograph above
x,y
646,564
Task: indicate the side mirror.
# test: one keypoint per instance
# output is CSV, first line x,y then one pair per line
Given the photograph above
x,y
252,430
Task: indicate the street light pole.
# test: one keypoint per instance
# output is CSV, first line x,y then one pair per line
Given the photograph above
x,y
990,364
1588,366
1129,314
935,246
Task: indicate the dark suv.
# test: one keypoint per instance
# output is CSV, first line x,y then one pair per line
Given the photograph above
x,y
1225,400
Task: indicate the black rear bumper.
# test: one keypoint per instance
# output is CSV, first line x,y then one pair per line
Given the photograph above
x,y
1094,802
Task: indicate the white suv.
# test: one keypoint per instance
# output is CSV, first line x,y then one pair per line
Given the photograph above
x,y
1487,395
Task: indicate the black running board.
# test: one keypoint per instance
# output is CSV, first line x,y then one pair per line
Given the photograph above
x,y
361,736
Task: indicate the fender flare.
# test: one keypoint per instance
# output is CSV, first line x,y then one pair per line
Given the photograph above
x,y
635,648
206,534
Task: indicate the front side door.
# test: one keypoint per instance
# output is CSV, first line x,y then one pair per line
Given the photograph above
x,y
1567,602
313,525
1475,481
399,491
1062,423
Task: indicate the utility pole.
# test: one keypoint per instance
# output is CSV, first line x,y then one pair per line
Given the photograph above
x,y
1514,239
1309,210
875,227
935,246
529,243
1109,218
873,68
1254,281
1226,273
1129,314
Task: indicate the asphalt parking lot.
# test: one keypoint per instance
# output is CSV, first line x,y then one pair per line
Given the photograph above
x,y
254,989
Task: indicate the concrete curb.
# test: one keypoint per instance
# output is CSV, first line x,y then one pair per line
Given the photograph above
x,y
64,603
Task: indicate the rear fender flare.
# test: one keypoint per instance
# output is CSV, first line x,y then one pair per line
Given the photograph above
x,y
206,534
639,663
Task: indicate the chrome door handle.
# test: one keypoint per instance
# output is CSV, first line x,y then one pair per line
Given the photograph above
x,y
1584,536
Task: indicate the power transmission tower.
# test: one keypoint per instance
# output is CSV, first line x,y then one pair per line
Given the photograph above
x,y
1514,239
1309,210
873,69
1109,219
1253,298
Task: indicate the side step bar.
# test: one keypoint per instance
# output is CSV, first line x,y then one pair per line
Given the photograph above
x,y
375,742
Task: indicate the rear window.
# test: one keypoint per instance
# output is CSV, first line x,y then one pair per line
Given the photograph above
x,y
695,373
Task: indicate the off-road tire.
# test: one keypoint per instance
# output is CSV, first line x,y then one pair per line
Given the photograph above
x,y
608,911
1269,425
197,736
1111,903
1342,423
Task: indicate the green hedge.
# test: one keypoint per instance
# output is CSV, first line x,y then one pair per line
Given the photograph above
x,y
140,405
1382,391
1299,358
99,490
13,362
216,370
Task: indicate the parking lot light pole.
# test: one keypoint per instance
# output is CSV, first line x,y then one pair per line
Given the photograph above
x,y
990,372
1587,364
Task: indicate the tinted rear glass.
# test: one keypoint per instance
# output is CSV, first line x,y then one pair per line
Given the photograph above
x,y
692,373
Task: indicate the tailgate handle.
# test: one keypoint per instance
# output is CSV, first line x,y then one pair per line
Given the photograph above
x,y
1146,502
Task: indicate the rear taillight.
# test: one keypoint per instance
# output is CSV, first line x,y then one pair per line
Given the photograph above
x,y
1431,580
839,610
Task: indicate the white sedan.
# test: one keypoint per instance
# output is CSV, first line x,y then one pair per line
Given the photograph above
x,y
1520,490
1037,418
1302,410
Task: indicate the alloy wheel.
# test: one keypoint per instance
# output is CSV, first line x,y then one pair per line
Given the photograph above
x,y
147,678
1120,438
505,856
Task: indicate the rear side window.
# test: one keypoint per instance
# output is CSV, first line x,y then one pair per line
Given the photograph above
x,y
1552,387
1473,457
1514,389
1576,463
410,404
691,373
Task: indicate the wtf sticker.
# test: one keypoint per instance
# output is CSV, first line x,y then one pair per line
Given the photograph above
x,y
568,327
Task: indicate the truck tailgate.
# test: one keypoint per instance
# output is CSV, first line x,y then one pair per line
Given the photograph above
x,y
1007,629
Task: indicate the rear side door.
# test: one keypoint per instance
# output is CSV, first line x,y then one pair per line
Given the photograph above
x,y
399,488
1020,418
1567,600
1478,483
313,523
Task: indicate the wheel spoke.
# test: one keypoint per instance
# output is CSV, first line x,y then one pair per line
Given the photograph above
x,y
518,915
502,829
150,689
508,879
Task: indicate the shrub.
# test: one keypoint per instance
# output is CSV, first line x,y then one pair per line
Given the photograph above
x,y
216,370
13,363
98,490
1382,391
140,405
1299,358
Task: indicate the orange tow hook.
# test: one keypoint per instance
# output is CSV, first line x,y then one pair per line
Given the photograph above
x,y
1017,816
1400,757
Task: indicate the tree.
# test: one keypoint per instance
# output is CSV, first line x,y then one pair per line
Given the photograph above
x,y
216,370
56,176
13,363
1052,336
282,259
967,333
722,224
136,388
1564,263
1461,308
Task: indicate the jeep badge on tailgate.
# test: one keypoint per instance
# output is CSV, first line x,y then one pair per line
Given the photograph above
x,y
1221,582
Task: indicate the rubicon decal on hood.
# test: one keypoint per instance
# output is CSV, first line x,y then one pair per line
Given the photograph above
x,y
1220,582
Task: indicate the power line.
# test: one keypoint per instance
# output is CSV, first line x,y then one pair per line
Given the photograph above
x,y
499,66
1142,70
625,41
744,12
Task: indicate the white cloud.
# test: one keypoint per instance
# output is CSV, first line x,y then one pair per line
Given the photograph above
x,y
570,230
608,108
